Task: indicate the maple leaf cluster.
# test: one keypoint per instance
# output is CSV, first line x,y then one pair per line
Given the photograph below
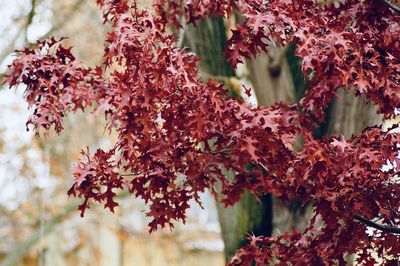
x,y
192,11
92,174
343,178
355,45
56,83
179,135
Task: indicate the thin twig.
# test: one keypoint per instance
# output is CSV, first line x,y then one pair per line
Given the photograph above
x,y
223,151
132,174
55,28
27,22
391,6
383,228
31,15
263,167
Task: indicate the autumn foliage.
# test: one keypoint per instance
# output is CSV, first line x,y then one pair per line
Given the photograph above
x,y
179,135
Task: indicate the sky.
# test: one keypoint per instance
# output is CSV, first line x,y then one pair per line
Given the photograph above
x,y
12,14
13,109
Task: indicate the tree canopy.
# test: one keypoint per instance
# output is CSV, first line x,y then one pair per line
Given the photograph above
x,y
179,135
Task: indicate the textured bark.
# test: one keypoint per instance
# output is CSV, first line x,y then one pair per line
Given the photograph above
x,y
271,83
347,115
350,115
208,41
275,77
246,217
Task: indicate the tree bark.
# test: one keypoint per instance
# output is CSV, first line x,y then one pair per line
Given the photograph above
x,y
275,77
350,115
208,40
347,115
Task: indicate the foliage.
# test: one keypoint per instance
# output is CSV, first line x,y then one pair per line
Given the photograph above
x,y
178,135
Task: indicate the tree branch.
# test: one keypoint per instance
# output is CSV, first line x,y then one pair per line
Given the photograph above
x,y
31,14
223,151
11,47
181,33
383,228
263,167
391,6
67,17
28,21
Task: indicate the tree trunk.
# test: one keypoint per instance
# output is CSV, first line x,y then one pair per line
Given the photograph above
x,y
275,77
208,40
350,115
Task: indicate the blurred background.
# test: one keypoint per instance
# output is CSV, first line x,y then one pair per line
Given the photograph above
x,y
39,225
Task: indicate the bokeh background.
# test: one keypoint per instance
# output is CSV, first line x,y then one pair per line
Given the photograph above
x,y
39,225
